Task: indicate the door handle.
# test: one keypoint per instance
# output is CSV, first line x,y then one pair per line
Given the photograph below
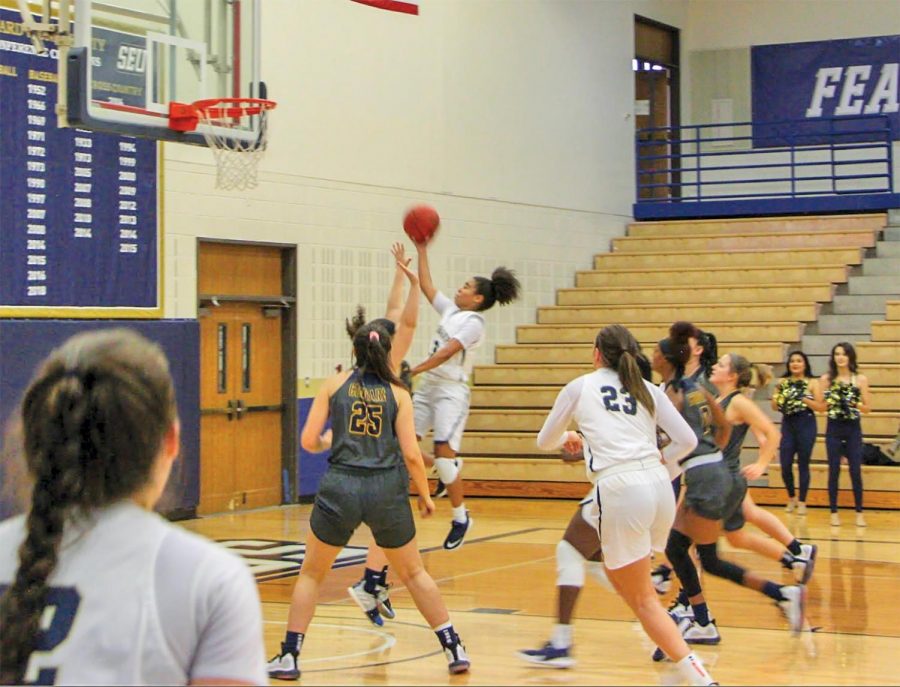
x,y
230,411
239,408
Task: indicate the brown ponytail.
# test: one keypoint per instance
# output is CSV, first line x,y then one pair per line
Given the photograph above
x,y
620,351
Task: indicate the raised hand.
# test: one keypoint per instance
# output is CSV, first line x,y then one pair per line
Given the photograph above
x,y
398,250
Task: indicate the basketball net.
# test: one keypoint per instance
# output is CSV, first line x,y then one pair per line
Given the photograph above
x,y
237,160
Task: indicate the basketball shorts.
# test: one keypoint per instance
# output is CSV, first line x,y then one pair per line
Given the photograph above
x,y
708,489
636,509
348,497
444,409
735,504
590,509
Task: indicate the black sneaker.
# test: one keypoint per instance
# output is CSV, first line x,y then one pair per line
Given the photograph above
x,y
284,667
457,533
548,657
440,489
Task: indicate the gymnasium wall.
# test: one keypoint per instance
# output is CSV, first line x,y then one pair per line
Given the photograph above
x,y
512,117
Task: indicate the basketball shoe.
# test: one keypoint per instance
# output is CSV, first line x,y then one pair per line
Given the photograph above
x,y
457,534
285,666
367,602
547,656
794,605
454,650
661,576
804,564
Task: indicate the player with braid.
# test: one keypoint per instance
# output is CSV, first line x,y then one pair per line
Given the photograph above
x,y
103,590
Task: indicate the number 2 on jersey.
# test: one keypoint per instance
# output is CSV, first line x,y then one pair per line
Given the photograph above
x,y
610,395
63,602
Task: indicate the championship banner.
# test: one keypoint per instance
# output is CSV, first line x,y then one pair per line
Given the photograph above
x,y
833,85
78,209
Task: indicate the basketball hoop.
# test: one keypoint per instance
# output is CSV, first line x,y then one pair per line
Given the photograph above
x,y
236,159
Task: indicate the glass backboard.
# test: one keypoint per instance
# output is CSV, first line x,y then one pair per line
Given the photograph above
x,y
131,58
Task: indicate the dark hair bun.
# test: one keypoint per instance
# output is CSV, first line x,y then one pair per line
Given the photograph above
x,y
505,285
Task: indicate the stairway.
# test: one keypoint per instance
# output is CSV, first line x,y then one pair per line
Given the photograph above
x,y
761,285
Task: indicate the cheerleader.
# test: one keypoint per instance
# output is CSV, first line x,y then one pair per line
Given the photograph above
x,y
794,398
845,395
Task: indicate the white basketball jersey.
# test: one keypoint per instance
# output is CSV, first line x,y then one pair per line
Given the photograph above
x,y
616,429
137,600
467,327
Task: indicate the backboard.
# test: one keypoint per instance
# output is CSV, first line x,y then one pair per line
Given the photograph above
x,y
130,59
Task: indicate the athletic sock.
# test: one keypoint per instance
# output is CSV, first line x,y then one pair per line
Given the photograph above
x,y
371,578
562,636
773,591
446,634
701,613
692,670
794,547
293,642
459,513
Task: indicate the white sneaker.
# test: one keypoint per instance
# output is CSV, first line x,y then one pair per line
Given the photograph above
x,y
284,667
860,520
695,633
794,605
790,506
678,611
835,520
805,563
801,508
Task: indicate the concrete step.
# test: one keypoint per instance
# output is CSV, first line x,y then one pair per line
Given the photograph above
x,y
821,344
858,305
889,285
842,324
888,249
882,266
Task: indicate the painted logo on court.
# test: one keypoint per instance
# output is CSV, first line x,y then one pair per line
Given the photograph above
x,y
272,559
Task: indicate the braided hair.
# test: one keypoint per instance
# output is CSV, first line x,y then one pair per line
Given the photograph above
x,y
93,419
503,287
623,354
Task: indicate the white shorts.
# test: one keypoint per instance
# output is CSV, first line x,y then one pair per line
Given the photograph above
x,y
590,509
443,408
637,509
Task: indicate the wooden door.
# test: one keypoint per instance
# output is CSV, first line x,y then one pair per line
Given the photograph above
x,y
652,87
240,378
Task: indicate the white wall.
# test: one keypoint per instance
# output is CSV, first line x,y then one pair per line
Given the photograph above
x,y
511,117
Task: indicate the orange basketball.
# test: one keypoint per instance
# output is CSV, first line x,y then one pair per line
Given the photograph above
x,y
421,222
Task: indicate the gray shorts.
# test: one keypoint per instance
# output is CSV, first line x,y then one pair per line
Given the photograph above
x,y
348,497
707,490
735,502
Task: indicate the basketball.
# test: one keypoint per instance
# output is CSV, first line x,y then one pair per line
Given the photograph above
x,y
421,223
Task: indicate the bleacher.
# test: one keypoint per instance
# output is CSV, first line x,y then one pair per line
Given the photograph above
x,y
757,284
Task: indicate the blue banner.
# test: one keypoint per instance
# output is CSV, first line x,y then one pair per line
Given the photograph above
x,y
78,209
837,87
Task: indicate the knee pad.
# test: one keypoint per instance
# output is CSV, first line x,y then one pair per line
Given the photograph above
x,y
709,558
447,469
569,566
598,572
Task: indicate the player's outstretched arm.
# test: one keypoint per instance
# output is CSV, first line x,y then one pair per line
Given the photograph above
x,y
428,287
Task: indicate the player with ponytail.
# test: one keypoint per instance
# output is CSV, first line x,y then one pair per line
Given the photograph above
x,y
374,454
442,400
631,506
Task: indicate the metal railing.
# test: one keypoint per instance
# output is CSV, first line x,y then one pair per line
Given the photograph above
x,y
739,167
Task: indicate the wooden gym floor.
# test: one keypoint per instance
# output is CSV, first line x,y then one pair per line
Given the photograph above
x,y
500,589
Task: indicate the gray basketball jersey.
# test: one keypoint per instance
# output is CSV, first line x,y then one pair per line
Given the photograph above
x,y
696,412
732,450
363,412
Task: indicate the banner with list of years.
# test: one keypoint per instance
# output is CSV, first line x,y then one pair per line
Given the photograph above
x,y
78,209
